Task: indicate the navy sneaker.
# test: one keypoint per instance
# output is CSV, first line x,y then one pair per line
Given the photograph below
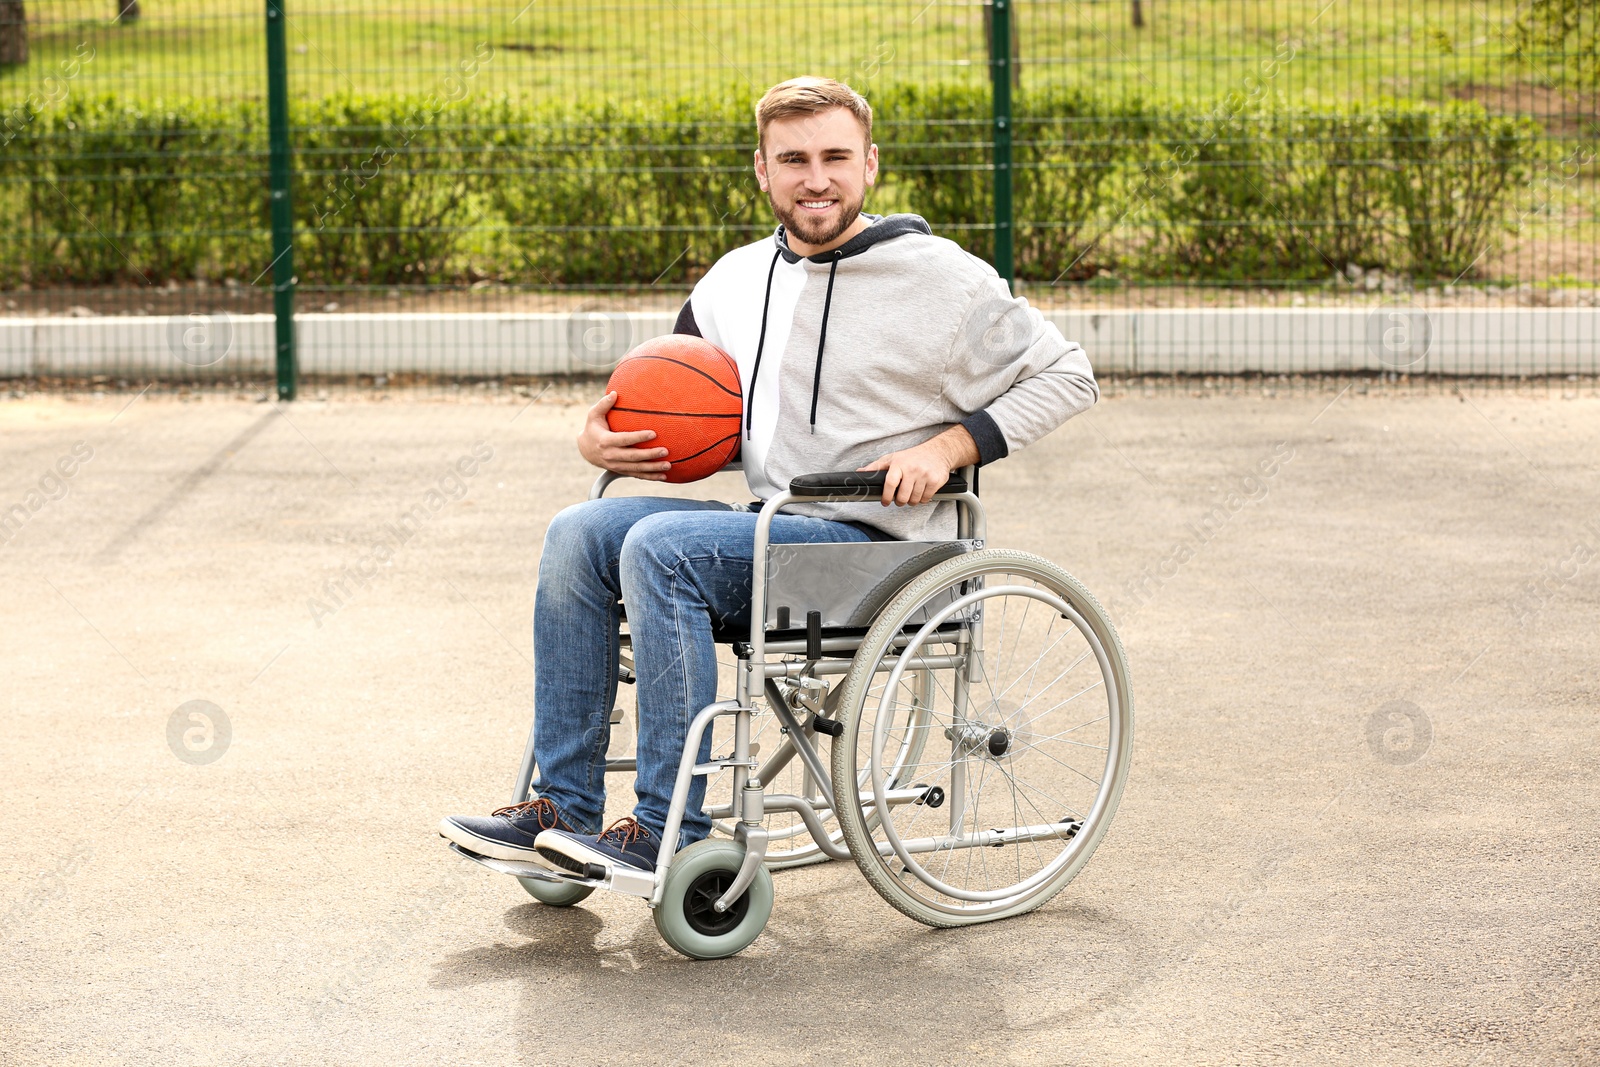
x,y
508,833
624,843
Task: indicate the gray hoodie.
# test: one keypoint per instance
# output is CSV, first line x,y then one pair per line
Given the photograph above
x,y
877,346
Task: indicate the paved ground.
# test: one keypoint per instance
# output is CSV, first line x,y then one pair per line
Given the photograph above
x,y
1361,825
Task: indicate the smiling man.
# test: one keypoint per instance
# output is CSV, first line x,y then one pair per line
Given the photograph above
x,y
863,343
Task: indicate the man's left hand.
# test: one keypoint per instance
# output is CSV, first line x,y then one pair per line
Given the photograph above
x,y
916,474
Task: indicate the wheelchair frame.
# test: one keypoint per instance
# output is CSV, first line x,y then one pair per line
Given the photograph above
x,y
824,655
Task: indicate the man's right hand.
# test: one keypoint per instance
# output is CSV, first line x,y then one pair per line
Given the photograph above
x,y
618,452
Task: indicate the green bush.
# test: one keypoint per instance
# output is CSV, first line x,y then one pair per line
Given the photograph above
x,y
101,190
1453,171
1270,194
1295,194
933,145
1559,39
1066,148
618,193
581,193
385,189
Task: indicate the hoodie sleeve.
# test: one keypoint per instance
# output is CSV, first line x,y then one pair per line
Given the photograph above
x,y
1012,374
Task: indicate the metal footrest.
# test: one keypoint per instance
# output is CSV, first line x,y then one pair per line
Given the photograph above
x,y
618,880
519,869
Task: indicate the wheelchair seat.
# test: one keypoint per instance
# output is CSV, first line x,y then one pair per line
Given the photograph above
x,y
739,636
834,590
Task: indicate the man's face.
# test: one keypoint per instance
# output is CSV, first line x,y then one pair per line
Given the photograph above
x,y
815,171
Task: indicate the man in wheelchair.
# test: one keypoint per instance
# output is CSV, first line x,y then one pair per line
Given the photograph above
x,y
864,343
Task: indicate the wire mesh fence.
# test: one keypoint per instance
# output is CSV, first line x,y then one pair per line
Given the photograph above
x,y
498,191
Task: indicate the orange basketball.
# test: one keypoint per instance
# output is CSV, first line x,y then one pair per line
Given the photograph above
x,y
686,389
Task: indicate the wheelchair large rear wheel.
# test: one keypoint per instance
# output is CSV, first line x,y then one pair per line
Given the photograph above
x,y
1028,739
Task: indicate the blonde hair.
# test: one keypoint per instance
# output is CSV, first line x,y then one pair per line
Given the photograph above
x,y
809,95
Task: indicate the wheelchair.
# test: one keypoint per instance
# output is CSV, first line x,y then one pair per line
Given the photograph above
x,y
955,719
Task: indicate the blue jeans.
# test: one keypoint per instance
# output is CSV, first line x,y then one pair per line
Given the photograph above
x,y
677,564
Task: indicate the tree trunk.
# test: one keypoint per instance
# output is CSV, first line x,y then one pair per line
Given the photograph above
x,y
1016,42
13,33
1138,15
128,10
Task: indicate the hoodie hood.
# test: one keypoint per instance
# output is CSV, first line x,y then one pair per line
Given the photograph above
x,y
882,228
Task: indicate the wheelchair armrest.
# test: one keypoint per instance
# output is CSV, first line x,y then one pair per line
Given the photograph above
x,y
857,485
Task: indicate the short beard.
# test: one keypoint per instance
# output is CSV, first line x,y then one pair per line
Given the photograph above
x,y
816,232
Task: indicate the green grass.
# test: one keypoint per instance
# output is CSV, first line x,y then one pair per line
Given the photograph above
x,y
1193,49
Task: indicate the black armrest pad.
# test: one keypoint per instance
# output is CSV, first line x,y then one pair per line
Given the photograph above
x,y
857,485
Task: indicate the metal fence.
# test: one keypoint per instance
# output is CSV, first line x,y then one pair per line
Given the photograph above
x,y
501,190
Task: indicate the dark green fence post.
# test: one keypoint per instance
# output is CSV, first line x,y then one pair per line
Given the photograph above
x,y
1000,78
282,215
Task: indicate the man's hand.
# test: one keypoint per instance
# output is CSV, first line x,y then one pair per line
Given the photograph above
x,y
916,474
616,452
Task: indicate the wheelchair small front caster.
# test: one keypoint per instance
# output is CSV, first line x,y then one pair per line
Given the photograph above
x,y
555,894
699,875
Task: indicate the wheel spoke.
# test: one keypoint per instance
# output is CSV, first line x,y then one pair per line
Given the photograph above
x,y
1092,781
977,799
1067,701
1043,818
1041,657
1016,815
1036,738
1035,789
1069,668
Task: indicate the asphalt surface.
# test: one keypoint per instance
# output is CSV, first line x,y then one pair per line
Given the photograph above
x,y
1360,827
